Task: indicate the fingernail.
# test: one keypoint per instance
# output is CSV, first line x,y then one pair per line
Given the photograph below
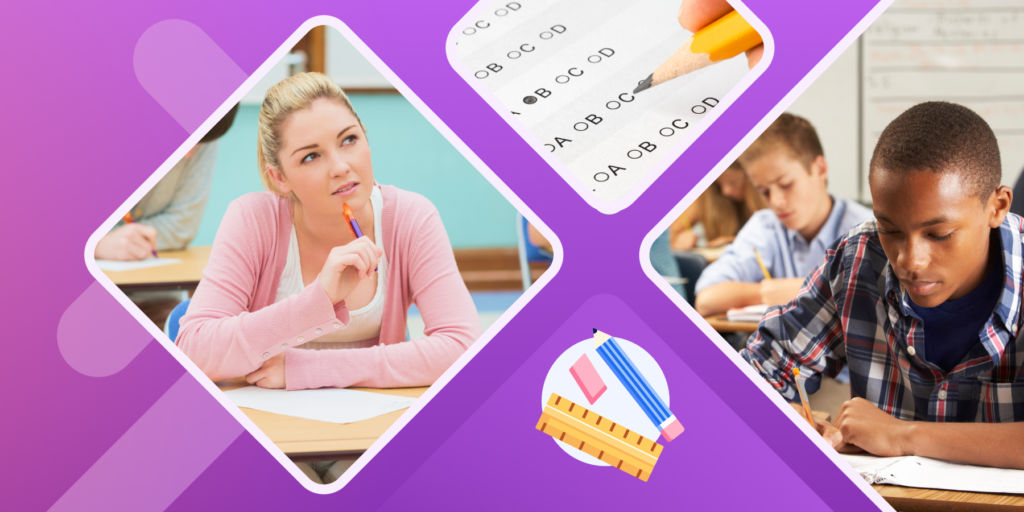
x,y
835,440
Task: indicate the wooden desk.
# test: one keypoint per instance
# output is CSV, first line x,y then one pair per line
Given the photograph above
x,y
912,499
722,324
180,276
305,440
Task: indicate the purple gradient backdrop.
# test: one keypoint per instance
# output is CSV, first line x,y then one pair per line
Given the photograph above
x,y
82,134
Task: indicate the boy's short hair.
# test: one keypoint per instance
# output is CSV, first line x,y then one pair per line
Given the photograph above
x,y
941,137
791,133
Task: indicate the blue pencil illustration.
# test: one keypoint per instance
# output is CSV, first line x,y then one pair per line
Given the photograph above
x,y
641,391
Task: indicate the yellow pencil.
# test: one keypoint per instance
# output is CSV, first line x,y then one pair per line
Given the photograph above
x,y
723,39
761,264
803,398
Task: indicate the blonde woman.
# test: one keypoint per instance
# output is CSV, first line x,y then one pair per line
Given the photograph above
x,y
721,210
291,298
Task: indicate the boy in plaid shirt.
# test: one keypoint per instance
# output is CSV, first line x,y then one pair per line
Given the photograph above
x,y
922,304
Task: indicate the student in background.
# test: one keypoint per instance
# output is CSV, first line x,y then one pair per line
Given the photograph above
x,y
168,216
721,210
923,305
787,167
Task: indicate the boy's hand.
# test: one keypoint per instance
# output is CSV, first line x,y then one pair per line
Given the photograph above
x,y
696,14
830,433
872,429
780,291
270,375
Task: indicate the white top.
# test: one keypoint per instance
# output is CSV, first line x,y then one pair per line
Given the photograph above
x,y
364,323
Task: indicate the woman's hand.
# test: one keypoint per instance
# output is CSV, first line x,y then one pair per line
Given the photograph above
x,y
684,241
270,375
720,241
347,265
696,14
130,242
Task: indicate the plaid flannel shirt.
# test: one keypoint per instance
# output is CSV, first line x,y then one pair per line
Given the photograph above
x,y
841,317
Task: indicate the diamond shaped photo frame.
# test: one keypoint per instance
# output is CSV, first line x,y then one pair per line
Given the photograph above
x,y
485,268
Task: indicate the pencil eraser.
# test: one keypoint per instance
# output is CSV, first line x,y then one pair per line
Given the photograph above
x,y
673,430
588,379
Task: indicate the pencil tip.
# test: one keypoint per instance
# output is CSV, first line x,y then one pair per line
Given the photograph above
x,y
595,331
644,84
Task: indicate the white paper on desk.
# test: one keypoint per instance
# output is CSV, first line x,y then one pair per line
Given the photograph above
x,y
747,314
121,266
566,69
928,473
332,405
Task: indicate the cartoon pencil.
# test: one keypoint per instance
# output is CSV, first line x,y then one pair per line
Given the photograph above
x,y
641,391
723,39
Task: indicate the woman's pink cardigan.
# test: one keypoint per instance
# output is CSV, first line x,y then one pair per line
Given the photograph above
x,y
233,325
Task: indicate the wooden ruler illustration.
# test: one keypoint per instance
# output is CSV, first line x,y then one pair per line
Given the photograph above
x,y
599,437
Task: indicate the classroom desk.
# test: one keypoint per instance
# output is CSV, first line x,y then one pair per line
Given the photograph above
x,y
305,440
710,253
912,499
722,324
180,276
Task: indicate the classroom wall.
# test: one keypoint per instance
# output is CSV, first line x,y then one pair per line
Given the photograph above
x,y
830,104
407,152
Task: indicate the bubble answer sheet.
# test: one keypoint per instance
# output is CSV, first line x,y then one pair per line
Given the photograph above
x,y
566,69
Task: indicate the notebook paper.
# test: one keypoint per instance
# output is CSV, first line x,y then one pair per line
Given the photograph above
x,y
121,266
936,474
566,69
332,405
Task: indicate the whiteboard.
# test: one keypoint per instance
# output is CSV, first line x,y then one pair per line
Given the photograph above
x,y
969,52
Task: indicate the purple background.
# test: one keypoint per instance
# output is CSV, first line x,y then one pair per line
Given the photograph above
x,y
81,134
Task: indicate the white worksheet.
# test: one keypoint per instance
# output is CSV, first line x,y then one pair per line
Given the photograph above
x,y
121,266
567,68
936,474
332,405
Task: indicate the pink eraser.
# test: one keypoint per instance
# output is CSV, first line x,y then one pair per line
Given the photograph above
x,y
673,430
588,379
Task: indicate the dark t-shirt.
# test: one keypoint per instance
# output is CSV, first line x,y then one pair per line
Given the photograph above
x,y
953,327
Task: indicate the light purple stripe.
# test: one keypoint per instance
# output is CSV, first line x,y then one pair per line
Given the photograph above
x,y
96,336
185,71
159,456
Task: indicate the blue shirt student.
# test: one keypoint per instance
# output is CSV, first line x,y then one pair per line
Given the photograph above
x,y
785,253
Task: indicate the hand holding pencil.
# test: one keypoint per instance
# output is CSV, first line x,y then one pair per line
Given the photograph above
x,y
720,33
697,14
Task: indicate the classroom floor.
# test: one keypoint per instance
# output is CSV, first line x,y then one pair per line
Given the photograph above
x,y
489,305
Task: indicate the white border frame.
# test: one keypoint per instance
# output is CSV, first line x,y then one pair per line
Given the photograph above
x,y
663,225
610,207
215,392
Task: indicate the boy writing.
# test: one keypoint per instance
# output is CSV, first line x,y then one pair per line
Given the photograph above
x,y
923,305
787,167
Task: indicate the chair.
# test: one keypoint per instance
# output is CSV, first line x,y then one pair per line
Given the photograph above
x,y
527,251
174,320
666,266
